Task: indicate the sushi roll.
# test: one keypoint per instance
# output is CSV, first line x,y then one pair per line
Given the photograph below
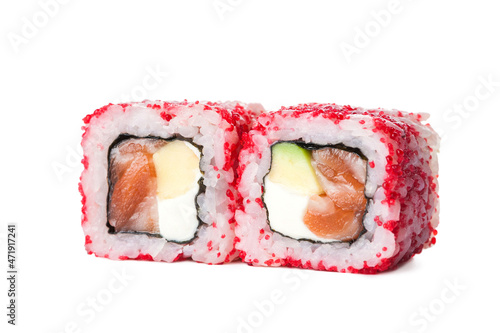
x,y
337,188
158,180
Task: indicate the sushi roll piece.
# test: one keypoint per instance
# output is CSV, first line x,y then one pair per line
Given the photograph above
x,y
158,180
337,188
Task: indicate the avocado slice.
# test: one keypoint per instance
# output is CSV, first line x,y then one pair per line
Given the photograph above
x,y
291,167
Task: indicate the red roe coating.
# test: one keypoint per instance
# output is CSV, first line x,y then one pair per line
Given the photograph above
x,y
88,240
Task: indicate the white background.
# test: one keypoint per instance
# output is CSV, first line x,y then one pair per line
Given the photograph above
x,y
425,56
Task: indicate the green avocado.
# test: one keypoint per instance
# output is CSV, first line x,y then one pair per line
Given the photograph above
x,y
291,167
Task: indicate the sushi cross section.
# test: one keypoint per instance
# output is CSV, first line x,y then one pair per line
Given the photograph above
x,y
153,185
315,186
315,194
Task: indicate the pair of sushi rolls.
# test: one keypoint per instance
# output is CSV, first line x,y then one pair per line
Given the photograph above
x,y
158,180
317,186
336,188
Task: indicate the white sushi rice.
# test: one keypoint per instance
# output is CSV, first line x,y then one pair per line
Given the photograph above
x,y
270,248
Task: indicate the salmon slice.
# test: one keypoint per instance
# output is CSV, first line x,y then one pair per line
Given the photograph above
x,y
327,220
338,214
342,174
132,204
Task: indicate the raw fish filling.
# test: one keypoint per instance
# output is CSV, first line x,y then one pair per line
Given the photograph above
x,y
316,194
153,185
